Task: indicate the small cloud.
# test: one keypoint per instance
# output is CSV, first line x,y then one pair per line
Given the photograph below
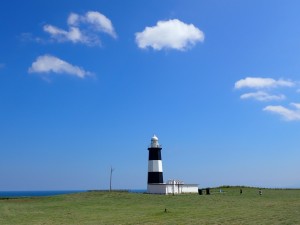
x,y
2,65
96,20
262,96
171,34
260,83
285,113
100,23
73,34
51,64
82,28
73,19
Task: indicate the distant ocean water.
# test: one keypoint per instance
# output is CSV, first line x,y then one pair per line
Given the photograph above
x,y
34,193
12,194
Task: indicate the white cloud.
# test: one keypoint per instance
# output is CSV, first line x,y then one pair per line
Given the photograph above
x,y
260,83
171,34
100,22
74,34
262,96
296,105
285,113
82,29
73,19
52,64
264,87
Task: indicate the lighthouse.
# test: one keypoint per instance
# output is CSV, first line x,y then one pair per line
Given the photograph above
x,y
155,169
155,183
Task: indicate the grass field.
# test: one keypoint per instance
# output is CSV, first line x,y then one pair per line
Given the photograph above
x,y
272,207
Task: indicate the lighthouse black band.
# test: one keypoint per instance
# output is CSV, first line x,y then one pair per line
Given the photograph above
x,y
155,177
154,153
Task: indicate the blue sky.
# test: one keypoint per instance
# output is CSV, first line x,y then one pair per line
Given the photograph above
x,y
85,85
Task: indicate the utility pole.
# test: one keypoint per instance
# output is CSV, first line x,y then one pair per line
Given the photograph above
x,y
111,171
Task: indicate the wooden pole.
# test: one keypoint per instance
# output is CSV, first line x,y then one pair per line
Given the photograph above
x,y
111,171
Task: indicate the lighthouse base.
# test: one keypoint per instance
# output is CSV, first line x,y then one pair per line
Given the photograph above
x,y
165,189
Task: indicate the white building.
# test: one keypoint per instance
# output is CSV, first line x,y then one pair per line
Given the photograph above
x,y
172,188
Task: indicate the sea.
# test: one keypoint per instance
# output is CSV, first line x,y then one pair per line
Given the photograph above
x,y
16,194
35,193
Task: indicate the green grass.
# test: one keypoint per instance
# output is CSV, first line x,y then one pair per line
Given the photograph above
x,y
273,207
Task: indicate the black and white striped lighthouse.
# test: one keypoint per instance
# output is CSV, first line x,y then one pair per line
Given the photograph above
x,y
155,170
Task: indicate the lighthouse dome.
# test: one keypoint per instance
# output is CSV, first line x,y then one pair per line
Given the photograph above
x,y
154,138
154,142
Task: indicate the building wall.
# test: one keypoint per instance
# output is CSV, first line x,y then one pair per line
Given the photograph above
x,y
190,188
165,189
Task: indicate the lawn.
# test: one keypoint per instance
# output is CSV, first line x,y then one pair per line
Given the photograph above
x,y
229,207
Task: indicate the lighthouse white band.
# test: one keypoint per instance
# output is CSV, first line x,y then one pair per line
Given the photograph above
x,y
155,166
